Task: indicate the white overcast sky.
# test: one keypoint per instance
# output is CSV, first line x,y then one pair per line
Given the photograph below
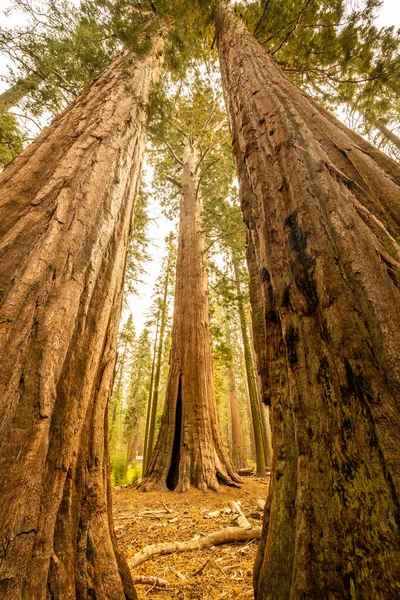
x,y
160,227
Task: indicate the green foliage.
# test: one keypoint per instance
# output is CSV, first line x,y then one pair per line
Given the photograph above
x,y
134,473
10,139
191,111
138,253
59,51
118,475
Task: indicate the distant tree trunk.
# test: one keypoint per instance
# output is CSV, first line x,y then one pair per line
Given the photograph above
x,y
134,448
164,315
148,415
190,449
251,428
387,133
237,451
264,415
323,211
18,91
65,223
252,383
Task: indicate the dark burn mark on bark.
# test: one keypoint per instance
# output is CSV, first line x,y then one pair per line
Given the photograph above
x,y
266,399
303,268
173,475
292,337
286,298
324,377
357,386
265,276
347,427
273,317
349,469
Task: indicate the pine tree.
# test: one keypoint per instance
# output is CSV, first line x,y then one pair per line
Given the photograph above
x,y
322,208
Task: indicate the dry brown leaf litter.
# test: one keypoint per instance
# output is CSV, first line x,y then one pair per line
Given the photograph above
x,y
217,573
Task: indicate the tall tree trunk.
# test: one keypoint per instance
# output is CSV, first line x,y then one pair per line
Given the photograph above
x,y
323,211
252,383
387,133
264,415
189,449
18,91
238,453
148,415
65,222
154,404
236,447
251,427
134,448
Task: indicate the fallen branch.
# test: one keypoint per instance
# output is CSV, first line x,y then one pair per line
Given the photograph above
x,y
242,520
246,471
230,535
154,581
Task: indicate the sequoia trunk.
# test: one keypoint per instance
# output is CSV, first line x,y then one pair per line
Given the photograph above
x,y
65,218
189,449
322,208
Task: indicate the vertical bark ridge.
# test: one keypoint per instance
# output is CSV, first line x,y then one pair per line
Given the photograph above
x,y
322,209
65,223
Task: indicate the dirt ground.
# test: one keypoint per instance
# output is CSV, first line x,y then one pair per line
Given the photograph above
x,y
227,569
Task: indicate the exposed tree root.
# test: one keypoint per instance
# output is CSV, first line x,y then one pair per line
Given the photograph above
x,y
230,535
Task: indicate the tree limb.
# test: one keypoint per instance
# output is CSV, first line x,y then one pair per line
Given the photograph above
x,y
230,535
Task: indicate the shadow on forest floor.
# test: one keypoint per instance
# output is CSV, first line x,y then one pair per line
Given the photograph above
x,y
228,569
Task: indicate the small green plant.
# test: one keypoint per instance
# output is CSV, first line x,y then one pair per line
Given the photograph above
x,y
118,476
134,473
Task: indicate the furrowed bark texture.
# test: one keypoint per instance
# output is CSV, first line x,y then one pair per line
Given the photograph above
x,y
190,450
322,208
65,218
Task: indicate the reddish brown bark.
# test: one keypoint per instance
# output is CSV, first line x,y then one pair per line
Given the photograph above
x,y
189,450
65,221
238,454
323,211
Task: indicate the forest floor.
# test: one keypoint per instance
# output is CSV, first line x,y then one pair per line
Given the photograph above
x,y
227,570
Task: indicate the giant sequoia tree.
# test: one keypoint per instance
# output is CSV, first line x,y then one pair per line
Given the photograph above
x,y
190,450
322,208
66,213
